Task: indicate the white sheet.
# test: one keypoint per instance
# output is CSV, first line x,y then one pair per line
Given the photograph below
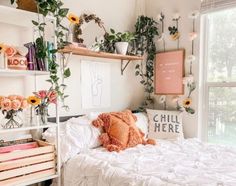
x,y
185,163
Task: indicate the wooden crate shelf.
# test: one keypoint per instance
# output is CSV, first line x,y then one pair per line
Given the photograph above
x,y
22,166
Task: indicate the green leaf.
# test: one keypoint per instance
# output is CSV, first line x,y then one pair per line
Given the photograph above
x,y
112,31
53,51
137,66
67,73
35,23
63,12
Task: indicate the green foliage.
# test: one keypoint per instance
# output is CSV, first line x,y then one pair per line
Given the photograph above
x,y
55,9
120,37
108,44
85,18
145,31
173,30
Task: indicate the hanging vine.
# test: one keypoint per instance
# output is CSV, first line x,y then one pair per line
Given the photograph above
x,y
53,8
146,30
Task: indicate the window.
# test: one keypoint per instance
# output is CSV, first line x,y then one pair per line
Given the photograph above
x,y
219,80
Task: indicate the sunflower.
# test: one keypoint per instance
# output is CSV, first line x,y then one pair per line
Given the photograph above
x,y
187,102
2,47
33,100
73,19
175,36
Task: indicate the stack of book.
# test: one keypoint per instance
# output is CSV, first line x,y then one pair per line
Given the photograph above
x,y
35,63
18,142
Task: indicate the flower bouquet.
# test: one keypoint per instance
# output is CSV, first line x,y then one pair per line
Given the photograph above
x,y
10,107
40,102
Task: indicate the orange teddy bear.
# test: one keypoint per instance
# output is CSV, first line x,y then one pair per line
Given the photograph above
x,y
120,131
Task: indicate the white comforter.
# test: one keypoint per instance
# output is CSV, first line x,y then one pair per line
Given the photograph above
x,y
185,163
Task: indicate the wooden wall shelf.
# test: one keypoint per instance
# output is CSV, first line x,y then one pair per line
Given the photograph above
x,y
89,53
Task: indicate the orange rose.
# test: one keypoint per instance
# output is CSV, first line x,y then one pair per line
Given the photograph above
x,y
24,104
16,104
1,98
6,104
20,98
12,97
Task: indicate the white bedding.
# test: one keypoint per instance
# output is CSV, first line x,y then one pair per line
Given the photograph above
x,y
185,163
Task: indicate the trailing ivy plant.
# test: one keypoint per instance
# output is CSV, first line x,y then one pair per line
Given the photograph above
x,y
53,8
146,30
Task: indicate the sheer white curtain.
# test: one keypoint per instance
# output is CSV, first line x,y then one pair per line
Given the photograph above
x,y
214,5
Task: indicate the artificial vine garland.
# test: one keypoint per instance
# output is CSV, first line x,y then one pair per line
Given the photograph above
x,y
55,9
86,18
146,30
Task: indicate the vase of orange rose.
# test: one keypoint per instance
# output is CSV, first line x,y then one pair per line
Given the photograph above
x,y
11,107
40,103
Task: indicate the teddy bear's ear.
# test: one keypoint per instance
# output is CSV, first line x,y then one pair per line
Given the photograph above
x,y
98,123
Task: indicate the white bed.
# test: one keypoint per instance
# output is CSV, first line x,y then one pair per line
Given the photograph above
x,y
180,163
185,163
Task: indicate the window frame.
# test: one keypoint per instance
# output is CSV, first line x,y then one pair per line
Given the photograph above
x,y
204,84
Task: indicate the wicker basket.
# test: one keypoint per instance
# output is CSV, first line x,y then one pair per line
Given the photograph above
x,y
29,5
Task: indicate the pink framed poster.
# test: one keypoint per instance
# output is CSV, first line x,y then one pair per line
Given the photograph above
x,y
169,72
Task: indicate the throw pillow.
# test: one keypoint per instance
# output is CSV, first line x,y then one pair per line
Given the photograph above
x,y
165,124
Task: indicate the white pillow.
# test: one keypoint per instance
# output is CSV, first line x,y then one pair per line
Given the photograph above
x,y
165,124
142,122
76,135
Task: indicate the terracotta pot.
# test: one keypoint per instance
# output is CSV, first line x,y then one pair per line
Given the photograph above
x,y
28,5
17,62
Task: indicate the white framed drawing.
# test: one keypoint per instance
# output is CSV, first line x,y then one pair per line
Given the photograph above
x,y
95,84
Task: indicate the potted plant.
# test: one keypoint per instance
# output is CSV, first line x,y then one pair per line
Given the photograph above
x,y
121,41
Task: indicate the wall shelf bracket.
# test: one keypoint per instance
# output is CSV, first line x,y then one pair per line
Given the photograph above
x,y
124,66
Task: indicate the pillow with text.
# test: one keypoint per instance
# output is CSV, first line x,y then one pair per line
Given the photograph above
x,y
165,124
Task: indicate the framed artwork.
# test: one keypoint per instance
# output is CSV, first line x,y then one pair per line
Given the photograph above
x,y
169,73
95,84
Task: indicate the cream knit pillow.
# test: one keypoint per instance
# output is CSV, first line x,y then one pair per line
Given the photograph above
x,y
165,124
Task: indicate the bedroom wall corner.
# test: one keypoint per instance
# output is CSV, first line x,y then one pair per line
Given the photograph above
x,y
184,8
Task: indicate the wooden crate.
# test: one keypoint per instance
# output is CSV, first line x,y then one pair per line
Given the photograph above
x,y
27,165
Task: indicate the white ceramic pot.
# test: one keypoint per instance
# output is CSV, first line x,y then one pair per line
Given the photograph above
x,y
121,47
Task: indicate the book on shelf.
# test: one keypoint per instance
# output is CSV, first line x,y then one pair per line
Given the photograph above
x,y
35,63
15,139
17,147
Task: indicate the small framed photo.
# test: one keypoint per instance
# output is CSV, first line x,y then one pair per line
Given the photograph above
x,y
169,73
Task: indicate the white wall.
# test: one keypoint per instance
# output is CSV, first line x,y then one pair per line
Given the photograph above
x,y
126,90
184,8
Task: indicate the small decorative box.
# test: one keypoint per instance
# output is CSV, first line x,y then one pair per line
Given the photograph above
x,y
17,62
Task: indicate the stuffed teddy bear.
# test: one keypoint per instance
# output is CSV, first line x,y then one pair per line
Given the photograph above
x,y
120,130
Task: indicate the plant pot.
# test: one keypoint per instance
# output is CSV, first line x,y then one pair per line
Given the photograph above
x,y
121,47
28,5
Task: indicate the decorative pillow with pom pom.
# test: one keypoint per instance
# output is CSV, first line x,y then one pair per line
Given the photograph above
x,y
121,131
